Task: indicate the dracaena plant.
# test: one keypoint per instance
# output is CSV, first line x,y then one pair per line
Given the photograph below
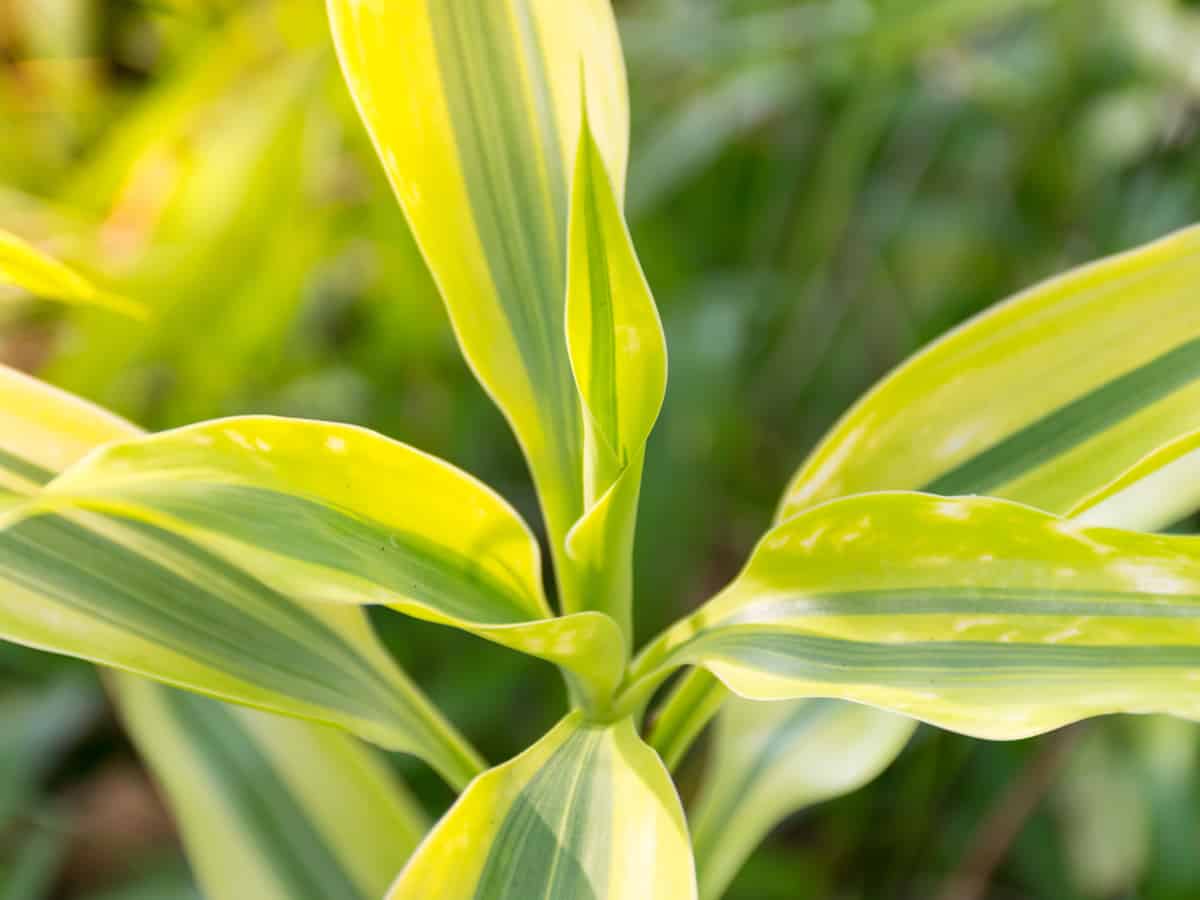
x,y
952,553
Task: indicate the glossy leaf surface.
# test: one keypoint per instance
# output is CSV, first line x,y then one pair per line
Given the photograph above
x,y
270,807
135,596
977,615
1042,399
475,110
339,516
619,358
588,812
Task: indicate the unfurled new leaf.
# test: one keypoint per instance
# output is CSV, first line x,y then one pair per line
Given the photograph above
x,y
588,812
617,348
952,411
619,358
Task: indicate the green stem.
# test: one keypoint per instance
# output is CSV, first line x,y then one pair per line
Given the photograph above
x,y
682,716
456,760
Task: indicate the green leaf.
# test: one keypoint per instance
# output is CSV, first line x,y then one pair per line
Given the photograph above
x,y
269,807
692,702
975,614
588,812
135,596
619,358
1069,318
770,759
26,267
336,516
1042,399
475,110
1160,489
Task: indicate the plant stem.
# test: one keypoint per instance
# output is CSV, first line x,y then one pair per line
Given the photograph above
x,y
682,716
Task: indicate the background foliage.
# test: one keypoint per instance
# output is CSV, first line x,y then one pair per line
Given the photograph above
x,y
816,189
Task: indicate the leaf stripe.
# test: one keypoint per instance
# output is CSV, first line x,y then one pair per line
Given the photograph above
x,y
24,469
257,794
399,561
959,600
602,379
78,568
527,858
1000,665
1068,426
517,189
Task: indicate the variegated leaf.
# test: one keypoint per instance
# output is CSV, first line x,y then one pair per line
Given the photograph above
x,y
475,110
588,812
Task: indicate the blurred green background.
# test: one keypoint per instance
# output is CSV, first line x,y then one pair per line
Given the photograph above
x,y
817,189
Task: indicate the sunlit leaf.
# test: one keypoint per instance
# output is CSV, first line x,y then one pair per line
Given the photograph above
x,y
211,226
974,614
272,808
891,440
135,596
1042,399
26,267
588,812
475,110
618,355
339,516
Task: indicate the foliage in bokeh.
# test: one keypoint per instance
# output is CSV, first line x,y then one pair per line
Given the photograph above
x,y
817,189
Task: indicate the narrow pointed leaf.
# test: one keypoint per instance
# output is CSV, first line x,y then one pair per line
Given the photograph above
x,y
977,615
587,813
619,358
135,596
26,267
1153,492
272,808
617,348
339,516
475,109
1160,489
770,759
1042,399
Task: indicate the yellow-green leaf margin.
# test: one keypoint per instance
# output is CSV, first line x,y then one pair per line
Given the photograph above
x,y
474,109
977,615
132,595
588,812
